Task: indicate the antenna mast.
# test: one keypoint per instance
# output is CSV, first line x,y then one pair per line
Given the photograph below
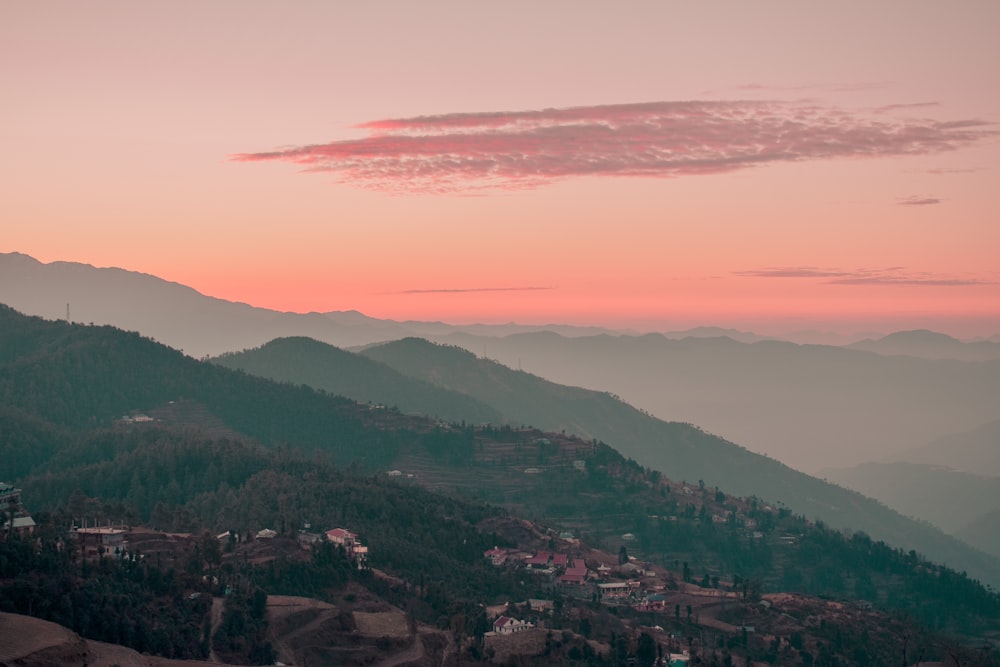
x,y
68,321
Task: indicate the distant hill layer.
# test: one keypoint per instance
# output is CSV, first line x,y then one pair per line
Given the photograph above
x,y
76,376
929,345
950,499
187,320
975,451
810,406
306,361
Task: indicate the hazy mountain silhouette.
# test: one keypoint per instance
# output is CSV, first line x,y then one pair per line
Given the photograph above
x,y
983,533
976,451
189,321
949,499
929,345
810,406
306,361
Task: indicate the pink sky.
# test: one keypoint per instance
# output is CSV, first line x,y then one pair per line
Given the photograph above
x,y
776,166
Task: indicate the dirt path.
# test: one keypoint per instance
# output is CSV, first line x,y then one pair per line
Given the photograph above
x,y
217,607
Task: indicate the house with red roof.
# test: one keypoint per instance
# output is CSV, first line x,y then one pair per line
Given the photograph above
x,y
539,560
575,574
496,556
351,544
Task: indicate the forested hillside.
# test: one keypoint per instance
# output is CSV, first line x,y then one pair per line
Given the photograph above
x,y
193,468
681,451
321,366
78,376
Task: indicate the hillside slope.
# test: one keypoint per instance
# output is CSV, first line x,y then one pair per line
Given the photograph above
x,y
680,451
949,499
75,376
975,451
307,361
810,406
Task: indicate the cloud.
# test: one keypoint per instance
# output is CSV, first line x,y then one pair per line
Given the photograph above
x,y
464,290
828,87
940,172
904,280
526,149
893,275
918,201
792,272
896,107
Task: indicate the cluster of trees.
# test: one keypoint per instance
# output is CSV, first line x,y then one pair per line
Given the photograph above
x,y
132,603
241,638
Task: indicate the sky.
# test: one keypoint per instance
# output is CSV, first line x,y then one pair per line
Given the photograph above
x,y
770,166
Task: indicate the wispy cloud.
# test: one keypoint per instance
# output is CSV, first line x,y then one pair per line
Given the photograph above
x,y
792,272
524,149
465,290
896,107
918,201
825,87
941,172
908,280
893,275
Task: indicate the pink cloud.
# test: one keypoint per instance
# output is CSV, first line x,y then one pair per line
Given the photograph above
x,y
940,172
918,201
896,107
793,272
524,149
827,87
894,275
464,290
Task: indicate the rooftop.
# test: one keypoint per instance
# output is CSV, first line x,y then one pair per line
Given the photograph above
x,y
101,530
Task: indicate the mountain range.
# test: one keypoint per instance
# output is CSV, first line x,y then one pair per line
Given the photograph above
x,y
813,406
810,406
953,482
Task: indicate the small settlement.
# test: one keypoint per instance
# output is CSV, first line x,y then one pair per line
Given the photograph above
x,y
627,583
619,584
14,518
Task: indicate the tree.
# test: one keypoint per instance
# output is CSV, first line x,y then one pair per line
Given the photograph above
x,y
622,555
645,652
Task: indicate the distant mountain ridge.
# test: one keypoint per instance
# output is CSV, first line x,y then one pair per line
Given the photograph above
x,y
166,311
949,499
952,482
975,451
306,361
197,324
810,406
929,345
